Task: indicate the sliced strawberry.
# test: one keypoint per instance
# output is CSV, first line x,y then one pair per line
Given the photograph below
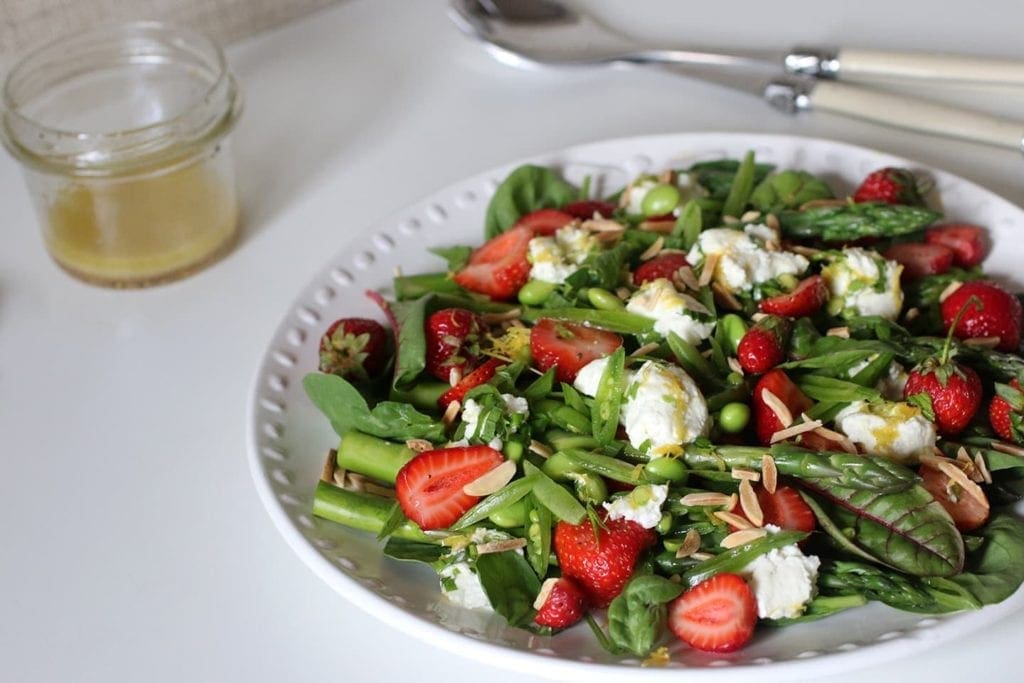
x,y
808,297
716,615
921,258
994,313
565,604
355,348
429,487
600,560
966,241
567,347
482,374
499,268
585,209
453,341
968,512
661,266
766,422
786,509
1005,417
764,345
545,221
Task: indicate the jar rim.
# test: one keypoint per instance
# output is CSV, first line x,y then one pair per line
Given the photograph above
x,y
208,114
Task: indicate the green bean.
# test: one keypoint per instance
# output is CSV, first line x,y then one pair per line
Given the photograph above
x,y
604,300
622,322
688,224
536,292
736,559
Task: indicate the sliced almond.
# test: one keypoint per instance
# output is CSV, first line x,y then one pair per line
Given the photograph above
x,y
623,293
769,473
749,503
734,365
340,478
804,251
355,481
653,250
725,298
841,439
707,271
454,376
704,499
691,544
778,407
511,314
1008,448
982,468
983,342
743,473
646,349
330,465
701,556
750,216
492,480
772,221
912,314
451,412
843,332
734,500
545,591
540,449
795,430
500,546
378,490
957,476
733,520
668,176
950,288
603,225
772,245
758,317
662,227
730,220
419,445
742,537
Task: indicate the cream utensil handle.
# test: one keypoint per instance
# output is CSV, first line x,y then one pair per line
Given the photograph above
x,y
878,64
912,114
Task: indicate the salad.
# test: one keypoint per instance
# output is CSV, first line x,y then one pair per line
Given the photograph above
x,y
720,400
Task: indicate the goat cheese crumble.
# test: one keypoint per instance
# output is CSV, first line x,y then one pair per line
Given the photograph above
x,y
641,505
890,429
743,258
862,282
553,259
783,580
672,311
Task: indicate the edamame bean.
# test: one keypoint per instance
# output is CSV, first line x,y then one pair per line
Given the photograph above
x,y
734,417
672,544
603,300
510,516
660,200
535,292
513,450
559,466
788,280
734,379
664,524
666,469
734,329
590,488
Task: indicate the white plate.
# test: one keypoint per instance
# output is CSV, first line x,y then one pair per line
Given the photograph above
x,y
288,438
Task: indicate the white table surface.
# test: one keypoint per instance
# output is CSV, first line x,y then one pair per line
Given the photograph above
x,y
132,542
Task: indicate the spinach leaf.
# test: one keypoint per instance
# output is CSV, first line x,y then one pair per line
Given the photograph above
x,y
602,269
412,551
510,585
994,571
526,189
411,340
456,256
717,176
636,618
347,410
788,190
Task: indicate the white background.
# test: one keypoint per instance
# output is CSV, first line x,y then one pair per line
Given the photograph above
x,y
132,543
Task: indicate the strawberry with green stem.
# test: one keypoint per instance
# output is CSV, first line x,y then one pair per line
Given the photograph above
x,y
354,348
764,345
890,185
1006,412
953,390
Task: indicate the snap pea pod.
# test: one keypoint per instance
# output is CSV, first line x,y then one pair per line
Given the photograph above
x,y
363,511
855,221
508,494
555,498
742,186
736,559
612,468
622,322
563,416
538,536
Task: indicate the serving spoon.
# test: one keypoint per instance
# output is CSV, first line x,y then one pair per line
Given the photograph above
x,y
545,33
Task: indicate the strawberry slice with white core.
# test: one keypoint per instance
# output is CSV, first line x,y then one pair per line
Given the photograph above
x,y
430,486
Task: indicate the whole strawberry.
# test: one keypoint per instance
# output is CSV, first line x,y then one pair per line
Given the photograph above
x,y
993,312
764,345
453,338
954,390
1006,412
354,348
562,603
890,185
600,557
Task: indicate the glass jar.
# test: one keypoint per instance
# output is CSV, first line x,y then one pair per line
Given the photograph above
x,y
123,135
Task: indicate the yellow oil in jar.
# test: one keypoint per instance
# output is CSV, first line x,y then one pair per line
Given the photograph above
x,y
144,229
